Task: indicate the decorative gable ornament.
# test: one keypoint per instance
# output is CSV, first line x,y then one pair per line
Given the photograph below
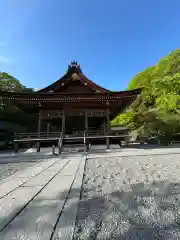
x,y
75,77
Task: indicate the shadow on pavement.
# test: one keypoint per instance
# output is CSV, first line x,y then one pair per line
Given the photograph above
x,y
146,211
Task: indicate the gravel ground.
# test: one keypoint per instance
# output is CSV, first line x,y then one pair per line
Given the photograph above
x,y
132,197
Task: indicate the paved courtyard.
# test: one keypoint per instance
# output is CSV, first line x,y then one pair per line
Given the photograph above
x,y
122,194
34,202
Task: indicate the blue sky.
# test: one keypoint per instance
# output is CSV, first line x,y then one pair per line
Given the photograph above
x,y
112,40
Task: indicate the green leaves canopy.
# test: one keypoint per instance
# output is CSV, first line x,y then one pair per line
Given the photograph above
x,y
11,84
9,112
157,110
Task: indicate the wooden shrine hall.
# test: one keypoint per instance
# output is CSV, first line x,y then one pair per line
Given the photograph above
x,y
73,107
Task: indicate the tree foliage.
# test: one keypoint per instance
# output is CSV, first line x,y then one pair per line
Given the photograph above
x,y
156,112
11,84
9,112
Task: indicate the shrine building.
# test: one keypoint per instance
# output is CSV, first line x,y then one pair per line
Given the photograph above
x,y
73,105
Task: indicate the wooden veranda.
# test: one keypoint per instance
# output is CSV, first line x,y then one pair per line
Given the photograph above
x,y
60,140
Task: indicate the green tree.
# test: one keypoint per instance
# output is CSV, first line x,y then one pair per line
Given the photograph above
x,y
9,112
156,112
11,84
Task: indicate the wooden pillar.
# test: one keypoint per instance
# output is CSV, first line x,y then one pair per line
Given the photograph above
x,y
53,150
39,124
86,127
108,128
16,147
48,128
108,120
104,125
38,146
28,145
106,132
86,119
63,122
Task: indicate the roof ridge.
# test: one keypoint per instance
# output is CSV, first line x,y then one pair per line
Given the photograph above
x,y
73,68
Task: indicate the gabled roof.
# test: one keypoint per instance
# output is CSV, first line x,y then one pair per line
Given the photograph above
x,y
74,73
73,89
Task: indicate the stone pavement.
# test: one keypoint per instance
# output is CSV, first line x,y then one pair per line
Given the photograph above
x,y
41,201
